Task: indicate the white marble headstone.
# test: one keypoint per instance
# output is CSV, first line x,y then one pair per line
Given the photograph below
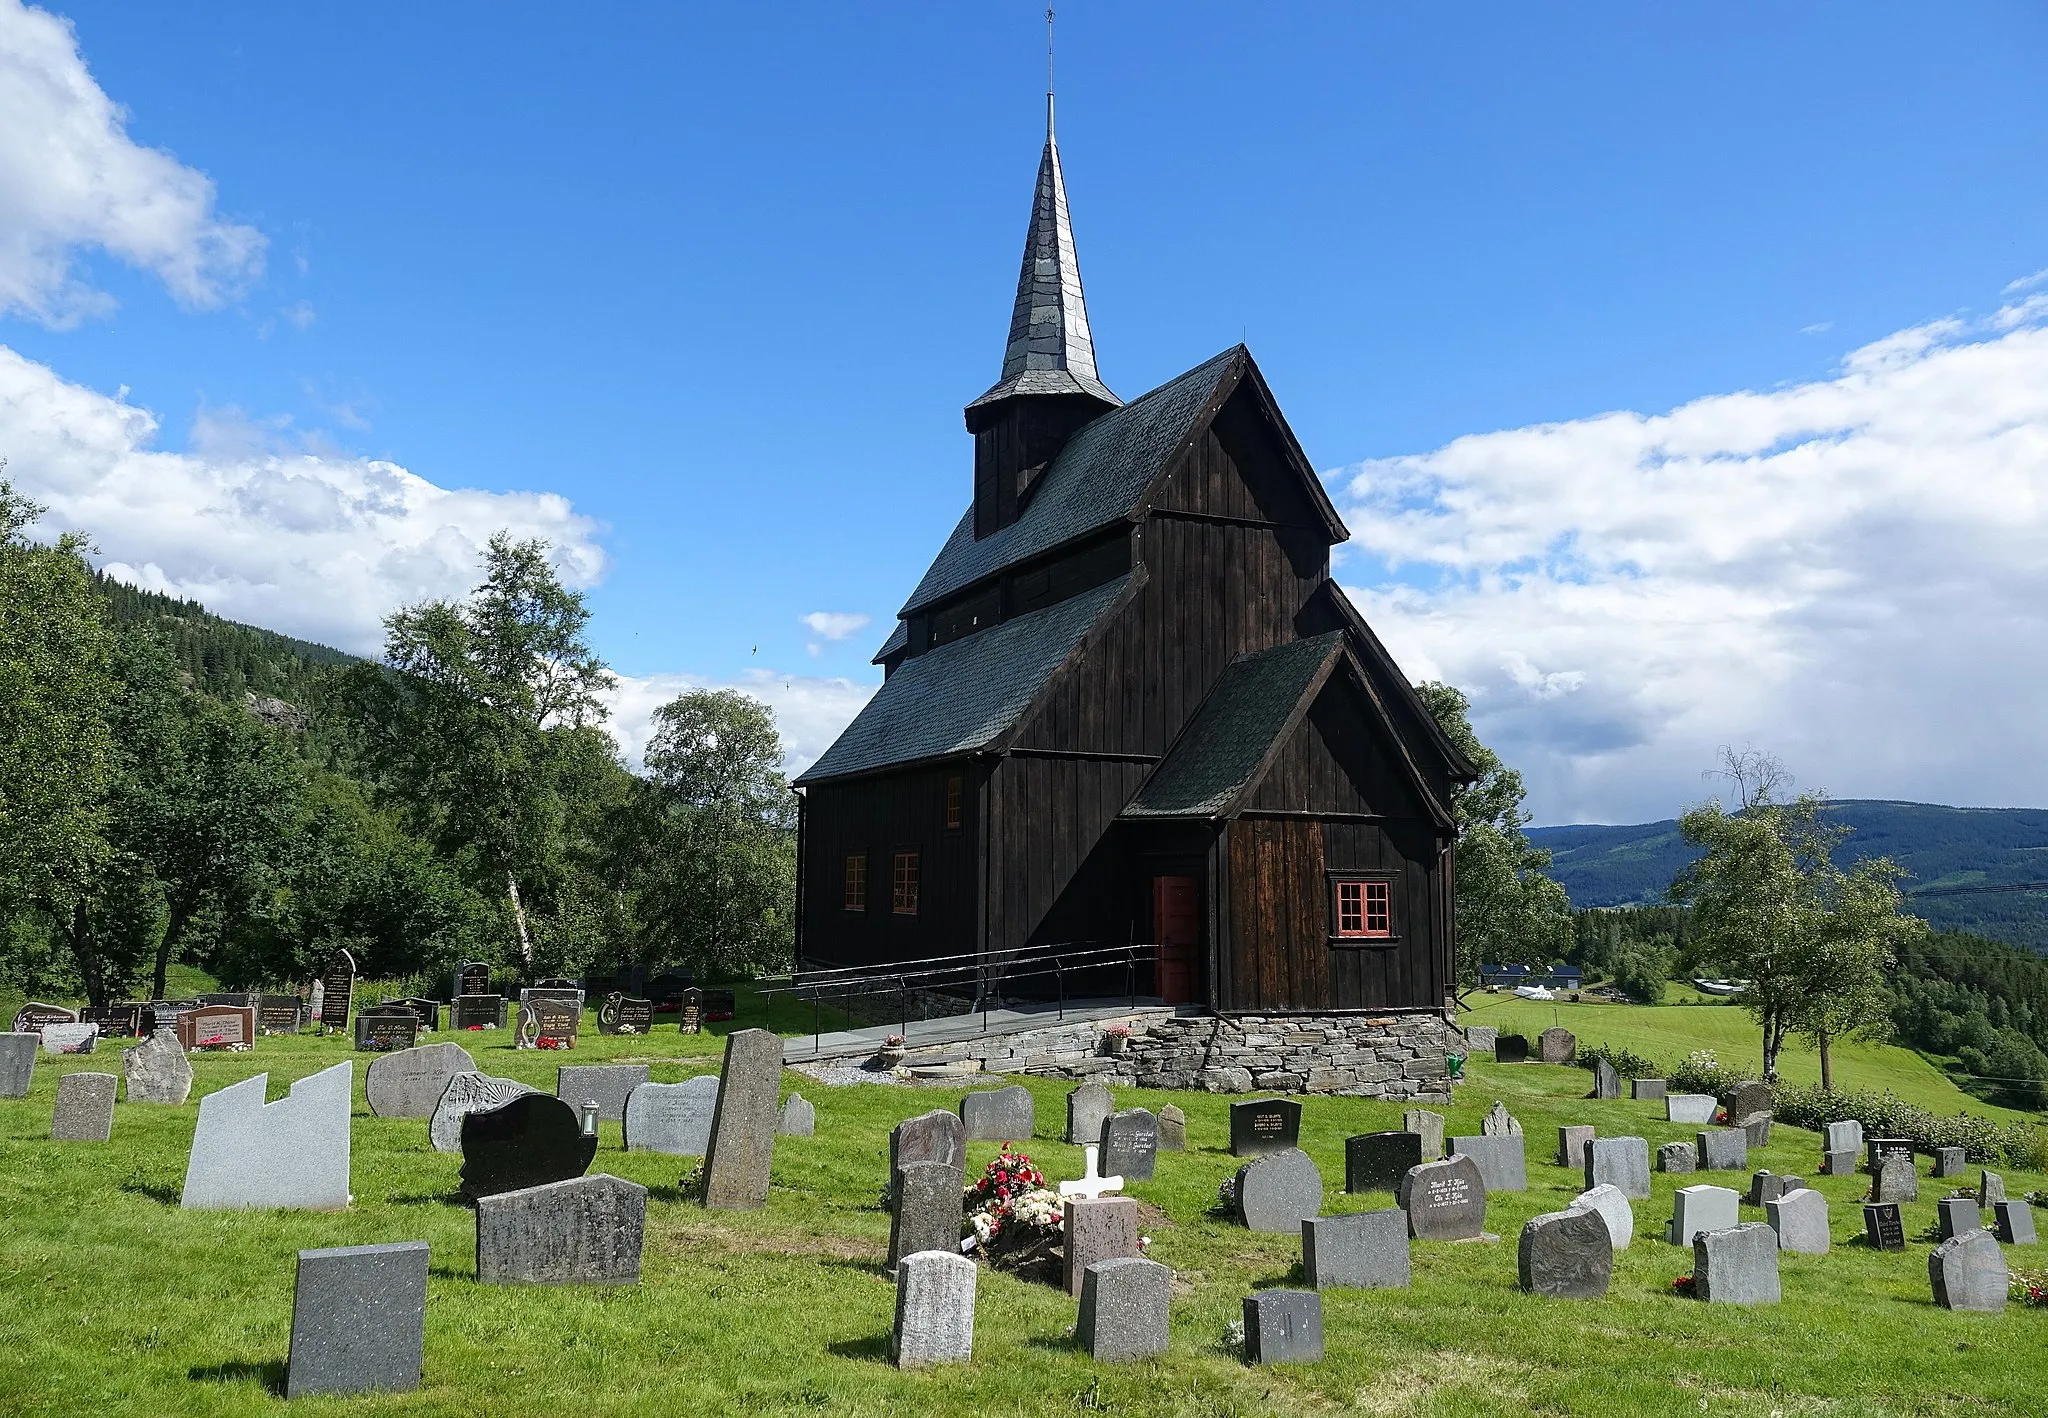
x,y
291,1153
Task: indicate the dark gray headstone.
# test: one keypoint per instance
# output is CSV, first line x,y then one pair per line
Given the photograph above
x,y
1749,1098
1736,1266
18,1063
1088,1108
468,1093
1429,1127
1365,1250
1278,1191
1571,1144
1883,1227
620,1013
156,1070
85,1108
2015,1222
1678,1157
1262,1125
1896,1179
1001,1115
1724,1150
1756,1127
1622,1162
1566,1255
798,1119
1510,1048
1283,1327
291,1153
1173,1129
527,1142
1950,1161
1702,1208
1800,1217
936,1136
1838,1164
1769,1186
934,1310
1501,1160
381,1028
1958,1216
1129,1145
1606,1079
742,1150
1690,1107
1876,1149
674,1118
337,990
411,1082
584,1231
1499,1122
1103,1229
1124,1309
1968,1273
1445,1201
925,1209
476,1012
1376,1161
1556,1045
359,1316
607,1085
1646,1088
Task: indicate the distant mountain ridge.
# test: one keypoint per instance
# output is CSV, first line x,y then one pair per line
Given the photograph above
x,y
1941,846
236,663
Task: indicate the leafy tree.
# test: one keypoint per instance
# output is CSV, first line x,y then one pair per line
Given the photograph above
x,y
722,891
1508,910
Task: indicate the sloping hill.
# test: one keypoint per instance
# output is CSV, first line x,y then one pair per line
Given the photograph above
x,y
225,658
1943,848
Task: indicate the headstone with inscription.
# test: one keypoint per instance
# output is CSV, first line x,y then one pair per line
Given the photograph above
x,y
217,1026
719,1004
1445,1201
526,1142
621,1014
742,1149
31,1017
410,1083
85,1108
116,1021
690,1018
386,1027
476,1012
581,1231
1130,1144
1262,1125
1277,1191
1566,1255
547,1022
292,1153
337,990
472,977
359,1317
71,1038
279,1014
428,1010
674,1118
1876,1149
1884,1227
468,1093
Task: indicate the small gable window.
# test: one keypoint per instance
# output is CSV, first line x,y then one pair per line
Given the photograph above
x,y
955,789
856,898
905,884
1364,908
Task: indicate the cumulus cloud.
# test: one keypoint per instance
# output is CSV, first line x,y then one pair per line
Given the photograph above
x,y
315,544
1849,572
809,710
834,625
71,177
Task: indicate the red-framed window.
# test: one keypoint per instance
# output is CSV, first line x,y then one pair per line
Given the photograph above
x,y
1364,908
904,884
956,789
856,898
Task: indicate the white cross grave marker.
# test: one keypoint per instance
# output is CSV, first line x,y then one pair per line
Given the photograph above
x,y
1092,1186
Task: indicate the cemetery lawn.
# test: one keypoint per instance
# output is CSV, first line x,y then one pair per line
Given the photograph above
x,y
113,1301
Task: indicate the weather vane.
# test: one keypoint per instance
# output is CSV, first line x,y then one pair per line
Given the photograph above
x,y
1048,71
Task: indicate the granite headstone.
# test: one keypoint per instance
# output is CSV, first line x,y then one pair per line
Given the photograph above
x,y
18,1063
674,1118
1800,1217
1001,1115
468,1093
1429,1127
1702,1208
1622,1162
1130,1144
1690,1107
1365,1250
1445,1201
1103,1229
934,1310
292,1153
359,1317
1566,1255
607,1085
85,1108
741,1153
583,1231
1173,1129
1968,1273
1556,1045
2015,1222
1088,1107
1501,1160
526,1141
1125,1303
1262,1125
156,1070
1376,1161
1277,1192
925,1209
1612,1207
411,1082
1283,1327
1737,1265
1723,1150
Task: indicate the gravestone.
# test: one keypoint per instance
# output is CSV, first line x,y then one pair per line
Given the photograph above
x,y
1445,1201
690,1017
472,977
1884,1228
1376,1161
1701,1208
1510,1048
1283,1327
72,1038
621,1014
359,1316
116,1021
1678,1157
1103,1229
527,1141
798,1118
1277,1192
1769,1186
742,1149
2015,1222
1566,1255
1173,1129
674,1118
279,1014
1990,1189
316,1001
1499,1122
607,1085
1748,1098
1125,1305
1896,1179
547,1021
584,1231
1262,1125
1957,1216
1480,1038
1500,1159
1690,1107
1845,1136
385,1028
1800,1217
468,1093
1556,1045
719,1004
1737,1265
1968,1273
476,1012
1876,1149
1622,1162
1571,1145
1088,1107
1950,1162
925,1209
1130,1144
157,1070
217,1026
934,1310
1611,1206
1002,1115
1429,1127
429,1011
1606,1079
1646,1088
936,1136
32,1017
1363,1250
18,1064
1838,1164
1756,1128
1723,1150
85,1108
412,1082
337,989
292,1153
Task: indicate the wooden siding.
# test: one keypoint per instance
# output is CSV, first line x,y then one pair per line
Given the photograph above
x,y
1053,869
880,816
1338,760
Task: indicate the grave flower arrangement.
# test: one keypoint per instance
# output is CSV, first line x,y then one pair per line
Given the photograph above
x,y
2029,1287
1683,1285
1013,1218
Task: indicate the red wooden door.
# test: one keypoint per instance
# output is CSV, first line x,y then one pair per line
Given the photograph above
x,y
1177,927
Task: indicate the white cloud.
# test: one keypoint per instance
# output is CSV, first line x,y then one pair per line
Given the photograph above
x,y
71,177
809,710
317,544
1849,572
834,625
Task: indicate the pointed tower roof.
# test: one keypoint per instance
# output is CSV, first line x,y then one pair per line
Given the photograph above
x,y
1050,350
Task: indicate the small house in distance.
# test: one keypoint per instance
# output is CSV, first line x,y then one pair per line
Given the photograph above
x,y
1127,702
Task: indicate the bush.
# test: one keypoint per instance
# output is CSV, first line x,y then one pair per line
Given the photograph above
x,y
1701,1072
1626,1063
1888,1115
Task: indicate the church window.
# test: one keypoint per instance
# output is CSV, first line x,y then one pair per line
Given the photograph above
x,y
905,885
955,790
857,881
1365,908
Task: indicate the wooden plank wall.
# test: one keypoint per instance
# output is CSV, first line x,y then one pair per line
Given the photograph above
x,y
1053,875
1338,760
879,815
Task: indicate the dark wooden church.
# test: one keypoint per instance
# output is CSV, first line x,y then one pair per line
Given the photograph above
x,y
1128,703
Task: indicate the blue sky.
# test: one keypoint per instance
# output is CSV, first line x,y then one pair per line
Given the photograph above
x,y
723,279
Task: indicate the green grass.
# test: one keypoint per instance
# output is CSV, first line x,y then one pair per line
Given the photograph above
x,y
113,1301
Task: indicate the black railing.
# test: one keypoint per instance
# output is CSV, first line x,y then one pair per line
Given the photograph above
x,y
986,971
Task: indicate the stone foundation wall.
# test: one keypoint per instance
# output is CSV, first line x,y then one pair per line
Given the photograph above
x,y
1366,1056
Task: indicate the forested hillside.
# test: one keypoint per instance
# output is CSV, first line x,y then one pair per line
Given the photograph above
x,y
224,658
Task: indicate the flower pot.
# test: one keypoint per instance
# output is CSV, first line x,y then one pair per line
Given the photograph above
x,y
1115,1044
888,1058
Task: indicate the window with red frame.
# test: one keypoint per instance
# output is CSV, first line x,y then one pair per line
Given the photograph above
x,y
1365,910
857,882
955,790
905,894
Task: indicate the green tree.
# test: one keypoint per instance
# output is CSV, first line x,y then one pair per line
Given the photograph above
x,y
1509,911
1842,970
721,894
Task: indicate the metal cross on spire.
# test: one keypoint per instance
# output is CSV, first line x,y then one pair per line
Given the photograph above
x,y
1048,71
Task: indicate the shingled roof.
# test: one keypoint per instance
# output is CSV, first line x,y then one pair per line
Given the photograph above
x,y
1223,745
965,694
